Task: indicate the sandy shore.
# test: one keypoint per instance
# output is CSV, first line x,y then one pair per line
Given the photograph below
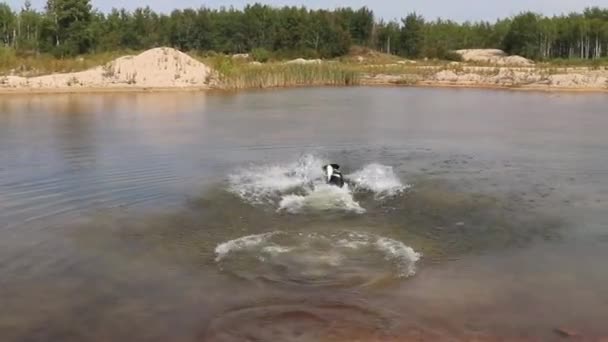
x,y
364,82
97,90
430,84
159,69
512,78
166,69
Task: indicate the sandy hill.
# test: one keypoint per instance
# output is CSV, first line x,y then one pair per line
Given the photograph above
x,y
493,56
155,68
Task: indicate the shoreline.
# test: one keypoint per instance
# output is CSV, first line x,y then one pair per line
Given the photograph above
x,y
169,70
99,90
545,89
422,84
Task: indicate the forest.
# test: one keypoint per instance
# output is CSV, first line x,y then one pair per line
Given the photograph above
x,y
66,28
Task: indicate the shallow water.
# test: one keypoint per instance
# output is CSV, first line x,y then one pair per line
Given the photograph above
x,y
468,214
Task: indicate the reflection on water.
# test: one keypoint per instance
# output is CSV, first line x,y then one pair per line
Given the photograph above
x,y
149,103
300,322
204,217
66,153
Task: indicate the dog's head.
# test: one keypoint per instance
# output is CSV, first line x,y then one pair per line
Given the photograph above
x,y
329,170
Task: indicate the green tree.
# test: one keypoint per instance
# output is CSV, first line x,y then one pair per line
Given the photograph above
x,y
412,36
331,39
259,25
68,26
362,26
387,35
500,31
7,25
547,37
523,36
110,32
29,28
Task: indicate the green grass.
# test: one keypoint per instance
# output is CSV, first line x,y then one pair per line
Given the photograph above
x,y
282,75
242,75
569,63
43,64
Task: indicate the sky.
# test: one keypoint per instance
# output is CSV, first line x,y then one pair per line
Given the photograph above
x,y
460,10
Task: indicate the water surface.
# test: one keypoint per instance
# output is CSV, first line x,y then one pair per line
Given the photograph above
x,y
203,216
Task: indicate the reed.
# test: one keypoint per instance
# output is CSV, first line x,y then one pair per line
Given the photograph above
x,y
235,75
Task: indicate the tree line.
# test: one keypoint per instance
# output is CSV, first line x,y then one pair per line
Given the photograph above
x,y
73,27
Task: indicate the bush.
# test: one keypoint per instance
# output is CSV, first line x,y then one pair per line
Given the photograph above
x,y
453,56
308,53
305,53
260,55
8,58
223,64
577,62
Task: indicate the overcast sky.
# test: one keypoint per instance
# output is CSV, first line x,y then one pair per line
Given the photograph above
x,y
458,10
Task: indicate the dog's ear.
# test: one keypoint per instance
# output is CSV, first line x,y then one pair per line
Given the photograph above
x,y
335,166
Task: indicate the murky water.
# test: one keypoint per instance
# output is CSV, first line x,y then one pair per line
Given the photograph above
x,y
468,214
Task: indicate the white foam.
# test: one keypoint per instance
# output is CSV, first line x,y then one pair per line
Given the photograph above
x,y
322,197
275,250
354,240
311,250
379,179
245,242
301,186
404,255
259,184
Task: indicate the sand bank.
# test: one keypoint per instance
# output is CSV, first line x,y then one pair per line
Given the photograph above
x,y
159,68
530,78
166,69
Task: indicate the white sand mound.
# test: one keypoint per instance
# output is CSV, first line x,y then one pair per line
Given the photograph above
x,y
155,68
304,61
241,56
492,56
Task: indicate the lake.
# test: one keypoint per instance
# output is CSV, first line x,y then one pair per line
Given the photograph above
x,y
467,214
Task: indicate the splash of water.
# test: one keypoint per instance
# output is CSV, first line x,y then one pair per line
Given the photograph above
x,y
321,197
346,258
260,184
243,243
400,253
300,186
379,179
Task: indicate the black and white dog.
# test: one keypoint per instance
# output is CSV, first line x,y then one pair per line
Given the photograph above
x,y
334,176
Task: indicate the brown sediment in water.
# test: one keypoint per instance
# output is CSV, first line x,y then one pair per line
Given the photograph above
x,y
158,251
149,278
320,321
327,321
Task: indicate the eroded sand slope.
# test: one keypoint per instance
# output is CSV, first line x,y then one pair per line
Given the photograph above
x,y
155,68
